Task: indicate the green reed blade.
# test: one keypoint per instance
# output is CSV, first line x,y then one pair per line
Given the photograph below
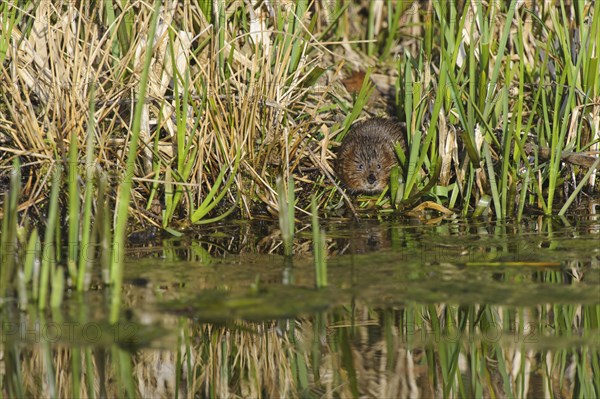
x,y
361,100
492,179
48,254
89,189
89,373
169,193
319,246
286,203
408,98
499,60
295,21
394,11
371,16
125,376
8,12
8,239
116,270
221,26
76,372
348,362
103,221
58,287
73,207
394,183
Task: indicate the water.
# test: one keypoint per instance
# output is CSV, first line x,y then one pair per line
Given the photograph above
x,y
457,309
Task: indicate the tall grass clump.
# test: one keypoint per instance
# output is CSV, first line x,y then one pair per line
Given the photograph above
x,y
39,267
513,93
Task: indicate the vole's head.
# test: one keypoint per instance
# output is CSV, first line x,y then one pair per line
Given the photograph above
x,y
364,164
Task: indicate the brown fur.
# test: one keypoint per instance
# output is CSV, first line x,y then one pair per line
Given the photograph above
x,y
366,156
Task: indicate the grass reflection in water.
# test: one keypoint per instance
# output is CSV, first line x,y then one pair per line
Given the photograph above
x,y
415,318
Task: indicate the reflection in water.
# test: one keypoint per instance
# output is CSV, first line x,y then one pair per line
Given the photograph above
x,y
356,350
455,310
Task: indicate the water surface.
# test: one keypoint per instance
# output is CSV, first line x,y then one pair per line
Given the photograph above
x,y
463,309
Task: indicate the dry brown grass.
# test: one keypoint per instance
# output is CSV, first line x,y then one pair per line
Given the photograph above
x,y
258,102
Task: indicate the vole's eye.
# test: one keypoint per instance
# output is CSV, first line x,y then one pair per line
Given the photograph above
x,y
360,167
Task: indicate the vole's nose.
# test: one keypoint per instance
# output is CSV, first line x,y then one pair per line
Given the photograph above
x,y
371,178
